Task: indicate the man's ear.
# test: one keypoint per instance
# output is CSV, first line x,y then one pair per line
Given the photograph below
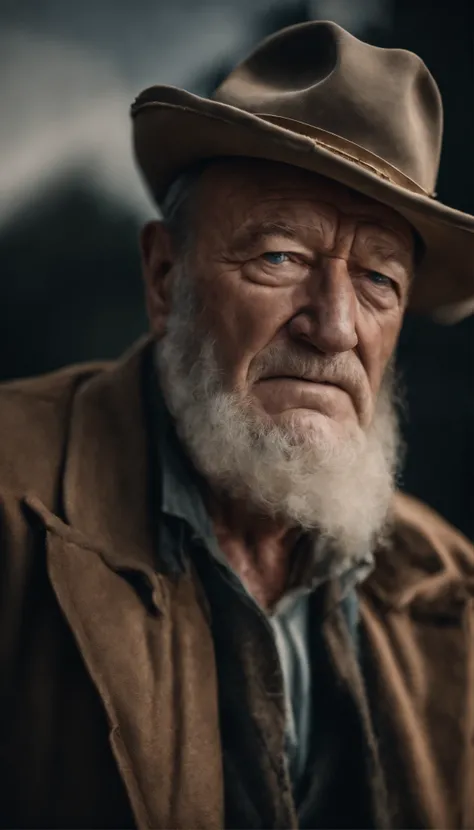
x,y
157,262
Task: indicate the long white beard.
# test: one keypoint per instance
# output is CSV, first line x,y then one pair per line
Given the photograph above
x,y
312,479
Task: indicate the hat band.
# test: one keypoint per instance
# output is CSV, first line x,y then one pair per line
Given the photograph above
x,y
350,151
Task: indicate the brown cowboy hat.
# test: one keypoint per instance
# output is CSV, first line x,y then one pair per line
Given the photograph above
x,y
316,97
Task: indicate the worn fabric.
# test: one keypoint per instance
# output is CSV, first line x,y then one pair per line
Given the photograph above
x,y
109,712
182,501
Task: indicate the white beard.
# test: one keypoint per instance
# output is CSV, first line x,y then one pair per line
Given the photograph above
x,y
317,479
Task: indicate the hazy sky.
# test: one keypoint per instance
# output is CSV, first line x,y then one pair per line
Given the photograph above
x,y
70,72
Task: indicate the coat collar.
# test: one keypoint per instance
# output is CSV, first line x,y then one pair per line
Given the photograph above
x,y
107,469
426,564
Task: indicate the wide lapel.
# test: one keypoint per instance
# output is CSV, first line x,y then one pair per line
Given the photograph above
x,y
417,616
144,638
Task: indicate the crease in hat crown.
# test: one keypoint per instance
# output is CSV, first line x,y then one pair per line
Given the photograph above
x,y
320,75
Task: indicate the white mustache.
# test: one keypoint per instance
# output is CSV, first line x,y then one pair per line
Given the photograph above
x,y
279,362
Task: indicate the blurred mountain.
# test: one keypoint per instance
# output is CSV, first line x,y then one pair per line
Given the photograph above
x,y
71,287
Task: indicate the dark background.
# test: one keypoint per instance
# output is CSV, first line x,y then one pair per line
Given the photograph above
x,y
71,203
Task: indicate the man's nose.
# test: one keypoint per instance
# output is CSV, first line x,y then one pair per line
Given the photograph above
x,y
328,319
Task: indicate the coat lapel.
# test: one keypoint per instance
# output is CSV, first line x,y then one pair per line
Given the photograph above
x,y
144,638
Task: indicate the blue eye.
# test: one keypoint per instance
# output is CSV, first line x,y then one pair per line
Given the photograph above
x,y
275,257
380,279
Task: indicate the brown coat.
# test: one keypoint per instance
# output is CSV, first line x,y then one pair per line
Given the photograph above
x,y
108,711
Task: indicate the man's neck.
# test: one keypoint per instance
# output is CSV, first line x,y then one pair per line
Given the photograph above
x,y
258,548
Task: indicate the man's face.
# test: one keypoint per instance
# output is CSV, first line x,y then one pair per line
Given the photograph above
x,y
297,275
275,328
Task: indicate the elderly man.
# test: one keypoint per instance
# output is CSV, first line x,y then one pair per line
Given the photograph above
x,y
215,609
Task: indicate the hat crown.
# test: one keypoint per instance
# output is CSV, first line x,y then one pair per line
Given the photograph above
x,y
384,100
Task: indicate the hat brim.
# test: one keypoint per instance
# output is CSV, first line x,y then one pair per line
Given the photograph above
x,y
174,129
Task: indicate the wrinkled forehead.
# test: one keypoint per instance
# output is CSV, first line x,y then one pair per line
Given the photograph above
x,y
237,191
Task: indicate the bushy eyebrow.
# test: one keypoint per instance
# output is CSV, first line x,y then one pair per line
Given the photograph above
x,y
387,248
252,233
